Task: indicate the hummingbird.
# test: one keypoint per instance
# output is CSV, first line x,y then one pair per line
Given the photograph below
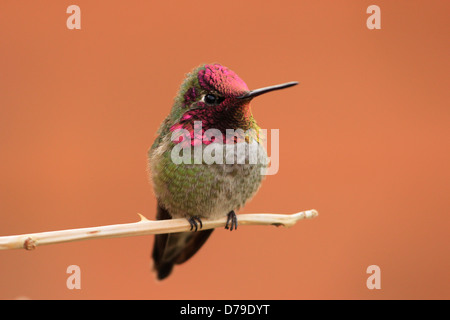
x,y
213,97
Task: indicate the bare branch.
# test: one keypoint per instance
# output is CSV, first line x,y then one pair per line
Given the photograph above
x,y
144,227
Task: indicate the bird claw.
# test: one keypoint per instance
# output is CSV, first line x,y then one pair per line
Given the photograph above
x,y
231,217
193,222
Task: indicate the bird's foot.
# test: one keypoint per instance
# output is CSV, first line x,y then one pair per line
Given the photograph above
x,y
231,220
193,222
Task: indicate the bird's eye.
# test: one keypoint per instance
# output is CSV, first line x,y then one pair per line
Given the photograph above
x,y
210,99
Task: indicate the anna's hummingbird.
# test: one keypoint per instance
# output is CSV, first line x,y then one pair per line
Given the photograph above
x,y
213,97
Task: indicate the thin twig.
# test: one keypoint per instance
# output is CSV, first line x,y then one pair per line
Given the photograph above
x,y
144,227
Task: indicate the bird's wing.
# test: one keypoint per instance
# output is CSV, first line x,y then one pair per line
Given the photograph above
x,y
175,248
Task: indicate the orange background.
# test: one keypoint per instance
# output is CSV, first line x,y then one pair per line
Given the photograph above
x,y
363,139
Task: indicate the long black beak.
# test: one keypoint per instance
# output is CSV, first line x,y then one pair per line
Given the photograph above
x,y
257,92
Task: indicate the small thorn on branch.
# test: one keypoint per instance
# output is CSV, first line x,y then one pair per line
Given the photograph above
x,y
142,217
